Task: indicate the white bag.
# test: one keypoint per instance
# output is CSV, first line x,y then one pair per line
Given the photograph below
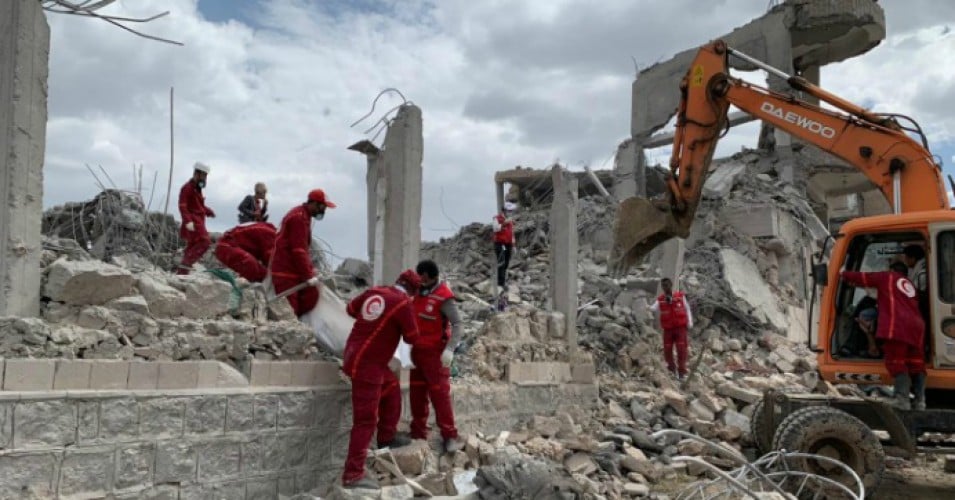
x,y
332,326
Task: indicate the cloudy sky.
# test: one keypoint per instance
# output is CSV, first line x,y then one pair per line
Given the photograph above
x,y
266,91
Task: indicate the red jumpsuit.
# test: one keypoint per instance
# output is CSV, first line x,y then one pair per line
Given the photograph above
x,y
674,319
192,208
292,262
382,316
247,249
900,324
430,381
503,246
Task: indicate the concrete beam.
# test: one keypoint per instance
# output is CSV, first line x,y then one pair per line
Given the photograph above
x,y
735,118
24,68
563,252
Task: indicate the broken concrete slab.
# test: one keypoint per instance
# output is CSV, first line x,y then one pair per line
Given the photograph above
x,y
745,282
722,180
87,282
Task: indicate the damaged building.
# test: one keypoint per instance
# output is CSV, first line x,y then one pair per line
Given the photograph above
x,y
121,380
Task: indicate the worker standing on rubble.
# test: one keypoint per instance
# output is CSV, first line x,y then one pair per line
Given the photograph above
x,y
503,228
193,211
439,325
247,249
900,328
383,315
675,318
254,206
292,260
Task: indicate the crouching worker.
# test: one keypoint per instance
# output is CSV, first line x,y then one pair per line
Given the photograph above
x,y
383,315
900,328
247,249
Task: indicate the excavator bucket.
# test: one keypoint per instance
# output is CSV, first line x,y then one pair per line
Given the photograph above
x,y
641,225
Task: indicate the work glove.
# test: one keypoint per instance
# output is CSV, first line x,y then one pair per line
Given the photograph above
x,y
446,358
190,226
313,281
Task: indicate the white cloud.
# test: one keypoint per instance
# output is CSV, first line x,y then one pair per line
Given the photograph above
x,y
499,84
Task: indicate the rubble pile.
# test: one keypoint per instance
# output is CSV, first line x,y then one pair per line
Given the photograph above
x,y
128,308
747,291
115,222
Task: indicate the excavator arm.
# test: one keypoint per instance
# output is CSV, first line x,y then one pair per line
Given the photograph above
x,y
877,145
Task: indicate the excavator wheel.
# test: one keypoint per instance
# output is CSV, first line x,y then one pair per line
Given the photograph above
x,y
763,437
833,433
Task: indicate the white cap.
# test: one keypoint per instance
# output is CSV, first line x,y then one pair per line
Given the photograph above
x,y
202,167
510,206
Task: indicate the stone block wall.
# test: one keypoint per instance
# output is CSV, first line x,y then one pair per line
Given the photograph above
x,y
236,442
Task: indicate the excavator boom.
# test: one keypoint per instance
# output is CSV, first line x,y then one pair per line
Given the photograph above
x,y
901,167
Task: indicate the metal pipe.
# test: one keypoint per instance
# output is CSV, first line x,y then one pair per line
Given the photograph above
x,y
897,192
759,64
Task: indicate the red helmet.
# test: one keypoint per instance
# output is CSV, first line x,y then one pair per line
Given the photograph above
x,y
410,280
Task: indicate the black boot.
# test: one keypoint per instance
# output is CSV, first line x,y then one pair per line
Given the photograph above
x,y
918,388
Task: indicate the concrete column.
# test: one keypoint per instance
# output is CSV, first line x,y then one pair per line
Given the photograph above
x,y
371,202
671,264
400,211
372,155
625,184
24,67
499,192
812,74
563,251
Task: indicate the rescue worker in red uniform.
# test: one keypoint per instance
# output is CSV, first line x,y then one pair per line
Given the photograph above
x,y
503,228
900,328
675,319
247,249
383,315
439,326
193,211
292,261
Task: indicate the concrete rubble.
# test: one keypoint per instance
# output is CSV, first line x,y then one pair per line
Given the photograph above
x,y
124,306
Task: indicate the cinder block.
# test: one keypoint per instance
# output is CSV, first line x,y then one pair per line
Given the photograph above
x,y
28,374
548,372
178,375
303,373
259,373
143,375
72,374
208,373
109,374
327,373
280,373
584,373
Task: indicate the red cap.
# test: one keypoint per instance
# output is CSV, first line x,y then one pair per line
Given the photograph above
x,y
410,280
318,196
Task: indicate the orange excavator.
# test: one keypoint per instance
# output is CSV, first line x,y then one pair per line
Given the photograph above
x,y
882,149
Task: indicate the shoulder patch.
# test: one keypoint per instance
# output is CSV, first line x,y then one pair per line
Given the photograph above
x,y
372,307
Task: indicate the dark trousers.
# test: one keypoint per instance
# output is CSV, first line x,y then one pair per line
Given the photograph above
x,y
503,253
